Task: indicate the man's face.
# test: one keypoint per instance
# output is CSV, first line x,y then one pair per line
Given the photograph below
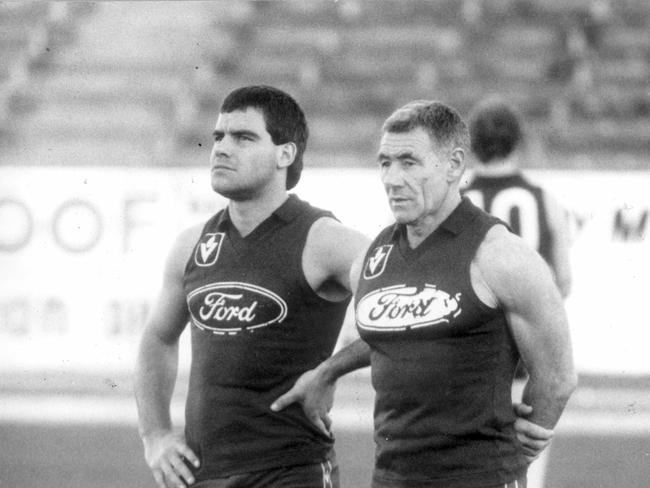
x,y
243,158
415,174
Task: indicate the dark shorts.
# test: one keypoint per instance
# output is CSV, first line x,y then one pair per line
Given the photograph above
x,y
320,475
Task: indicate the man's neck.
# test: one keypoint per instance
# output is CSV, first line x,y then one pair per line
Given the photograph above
x,y
417,232
246,215
501,167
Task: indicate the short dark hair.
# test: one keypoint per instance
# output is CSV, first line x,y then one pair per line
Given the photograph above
x,y
284,119
495,130
442,122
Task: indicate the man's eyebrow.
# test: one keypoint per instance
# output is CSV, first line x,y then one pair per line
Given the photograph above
x,y
244,132
237,133
401,156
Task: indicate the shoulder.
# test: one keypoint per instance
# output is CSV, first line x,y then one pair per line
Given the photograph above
x,y
328,235
504,252
508,265
186,240
182,249
330,250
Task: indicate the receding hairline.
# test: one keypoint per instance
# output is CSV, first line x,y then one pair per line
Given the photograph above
x,y
442,122
450,144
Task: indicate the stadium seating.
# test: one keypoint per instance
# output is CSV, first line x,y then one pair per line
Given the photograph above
x,y
107,97
149,78
21,36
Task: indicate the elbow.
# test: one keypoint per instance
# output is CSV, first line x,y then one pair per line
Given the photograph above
x,y
566,386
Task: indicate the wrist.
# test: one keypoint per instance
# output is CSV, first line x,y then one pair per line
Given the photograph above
x,y
151,434
326,373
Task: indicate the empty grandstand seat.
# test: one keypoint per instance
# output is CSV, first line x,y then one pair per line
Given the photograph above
x,y
348,63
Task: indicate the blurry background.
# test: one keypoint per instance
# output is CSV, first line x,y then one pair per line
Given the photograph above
x,y
106,113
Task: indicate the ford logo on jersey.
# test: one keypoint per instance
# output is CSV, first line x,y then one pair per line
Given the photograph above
x,y
402,307
232,307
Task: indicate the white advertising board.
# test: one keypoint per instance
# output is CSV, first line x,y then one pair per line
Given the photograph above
x,y
82,251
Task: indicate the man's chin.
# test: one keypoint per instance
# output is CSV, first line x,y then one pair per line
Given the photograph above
x,y
221,189
231,193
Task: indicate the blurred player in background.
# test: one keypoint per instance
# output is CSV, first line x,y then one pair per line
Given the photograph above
x,y
446,301
499,187
265,286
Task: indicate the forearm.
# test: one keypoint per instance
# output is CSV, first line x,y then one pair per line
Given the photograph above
x,y
355,355
315,388
548,399
155,376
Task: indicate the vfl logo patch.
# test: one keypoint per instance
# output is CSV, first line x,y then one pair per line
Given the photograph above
x,y
401,307
232,307
377,262
207,250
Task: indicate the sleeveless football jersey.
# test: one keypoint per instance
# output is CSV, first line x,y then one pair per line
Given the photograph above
x,y
256,325
442,362
515,200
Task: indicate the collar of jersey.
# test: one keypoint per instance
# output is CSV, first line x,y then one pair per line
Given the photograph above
x,y
285,212
453,224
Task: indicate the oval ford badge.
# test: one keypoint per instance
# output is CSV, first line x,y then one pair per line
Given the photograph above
x,y
232,307
404,307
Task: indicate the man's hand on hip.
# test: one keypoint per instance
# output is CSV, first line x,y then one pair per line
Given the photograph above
x,y
534,438
166,454
315,394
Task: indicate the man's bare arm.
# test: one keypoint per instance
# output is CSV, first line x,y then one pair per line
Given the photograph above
x,y
522,284
155,373
330,251
315,388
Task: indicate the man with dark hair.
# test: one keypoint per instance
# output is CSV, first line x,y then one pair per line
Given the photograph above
x,y
285,122
446,301
265,286
499,187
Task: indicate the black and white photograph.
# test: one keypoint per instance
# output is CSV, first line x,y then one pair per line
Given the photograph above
x,y
325,244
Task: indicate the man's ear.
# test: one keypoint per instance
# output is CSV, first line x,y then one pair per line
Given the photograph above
x,y
457,164
286,154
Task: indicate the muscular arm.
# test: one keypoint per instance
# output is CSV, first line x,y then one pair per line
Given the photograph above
x,y
156,368
330,251
315,388
355,355
558,226
522,284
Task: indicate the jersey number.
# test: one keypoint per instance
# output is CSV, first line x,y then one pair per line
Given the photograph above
x,y
517,207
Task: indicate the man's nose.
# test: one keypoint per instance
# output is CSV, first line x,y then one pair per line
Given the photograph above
x,y
221,148
392,176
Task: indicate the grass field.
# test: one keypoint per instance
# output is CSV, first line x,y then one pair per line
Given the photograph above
x,y
48,440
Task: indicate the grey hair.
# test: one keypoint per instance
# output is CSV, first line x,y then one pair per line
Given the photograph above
x,y
442,122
